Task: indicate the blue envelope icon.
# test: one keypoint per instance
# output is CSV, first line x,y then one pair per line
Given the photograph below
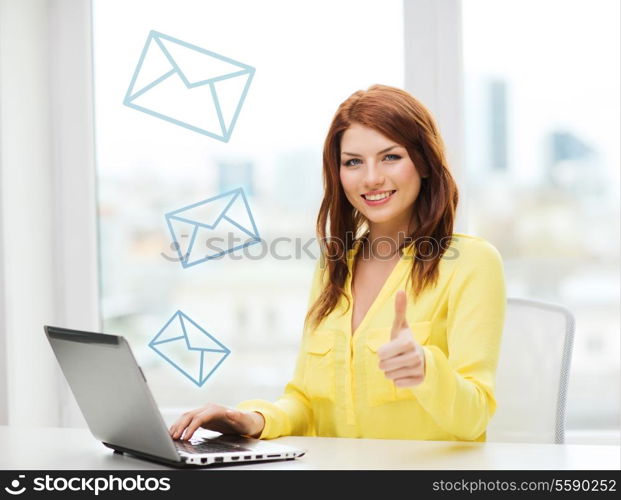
x,y
190,349
212,227
189,86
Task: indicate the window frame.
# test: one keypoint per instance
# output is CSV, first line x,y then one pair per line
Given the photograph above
x,y
433,40
47,167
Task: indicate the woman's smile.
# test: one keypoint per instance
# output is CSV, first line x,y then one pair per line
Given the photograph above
x,y
373,198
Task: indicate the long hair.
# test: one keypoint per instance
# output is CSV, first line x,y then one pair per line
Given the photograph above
x,y
400,117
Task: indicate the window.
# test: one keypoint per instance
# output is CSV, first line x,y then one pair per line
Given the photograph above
x,y
542,144
542,171
308,58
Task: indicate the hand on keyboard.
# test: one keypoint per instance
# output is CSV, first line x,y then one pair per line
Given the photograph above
x,y
220,419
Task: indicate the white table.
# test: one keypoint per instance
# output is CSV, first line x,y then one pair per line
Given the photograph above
x,y
64,448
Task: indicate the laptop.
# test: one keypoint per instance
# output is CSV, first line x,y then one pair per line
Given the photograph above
x,y
120,410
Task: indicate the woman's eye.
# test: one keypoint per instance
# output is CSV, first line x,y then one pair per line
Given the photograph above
x,y
392,157
349,163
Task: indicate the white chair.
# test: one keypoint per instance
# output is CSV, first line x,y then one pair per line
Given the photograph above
x,y
532,374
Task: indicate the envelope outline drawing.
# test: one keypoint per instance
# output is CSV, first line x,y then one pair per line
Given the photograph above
x,y
154,42
236,196
186,322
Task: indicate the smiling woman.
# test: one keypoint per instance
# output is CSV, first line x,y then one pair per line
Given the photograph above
x,y
367,126
397,345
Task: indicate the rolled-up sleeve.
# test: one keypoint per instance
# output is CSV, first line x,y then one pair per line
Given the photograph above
x,y
458,389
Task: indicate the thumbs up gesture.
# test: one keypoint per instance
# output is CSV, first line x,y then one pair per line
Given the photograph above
x,y
402,359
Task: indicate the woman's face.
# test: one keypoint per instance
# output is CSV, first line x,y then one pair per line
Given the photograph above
x,y
378,176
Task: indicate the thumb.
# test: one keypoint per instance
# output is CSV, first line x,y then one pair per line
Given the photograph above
x,y
400,307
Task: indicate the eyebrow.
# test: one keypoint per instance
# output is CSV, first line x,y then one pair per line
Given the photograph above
x,y
382,151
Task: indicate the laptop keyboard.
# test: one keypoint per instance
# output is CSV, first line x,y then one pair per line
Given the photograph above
x,y
208,446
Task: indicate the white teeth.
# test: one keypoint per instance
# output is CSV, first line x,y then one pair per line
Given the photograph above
x,y
375,197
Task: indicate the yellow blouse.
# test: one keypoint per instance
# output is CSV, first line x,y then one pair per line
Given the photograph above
x,y
338,389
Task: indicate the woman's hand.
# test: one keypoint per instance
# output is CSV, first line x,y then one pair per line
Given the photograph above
x,y
220,419
402,359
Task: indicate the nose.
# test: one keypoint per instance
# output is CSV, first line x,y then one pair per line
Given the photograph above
x,y
374,176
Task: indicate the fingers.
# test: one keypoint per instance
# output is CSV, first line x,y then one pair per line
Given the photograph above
x,y
219,419
405,372
194,424
409,381
409,359
402,343
185,427
400,308
176,429
403,360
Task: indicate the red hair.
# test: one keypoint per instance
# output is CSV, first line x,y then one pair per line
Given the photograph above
x,y
400,117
